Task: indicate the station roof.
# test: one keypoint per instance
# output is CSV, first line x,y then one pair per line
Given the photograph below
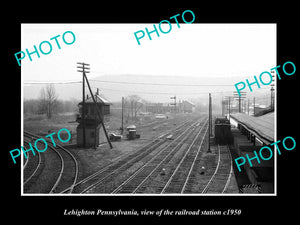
x,y
261,126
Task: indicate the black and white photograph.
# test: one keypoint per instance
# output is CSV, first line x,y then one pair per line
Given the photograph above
x,y
132,115
148,118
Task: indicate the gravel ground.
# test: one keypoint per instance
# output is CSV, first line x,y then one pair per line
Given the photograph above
x,y
93,159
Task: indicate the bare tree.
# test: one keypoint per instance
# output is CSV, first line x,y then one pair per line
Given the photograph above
x,y
48,100
42,105
136,103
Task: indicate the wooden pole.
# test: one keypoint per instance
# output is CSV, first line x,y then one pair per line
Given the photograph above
x,y
99,114
229,109
83,109
122,125
209,124
253,106
82,66
95,140
239,103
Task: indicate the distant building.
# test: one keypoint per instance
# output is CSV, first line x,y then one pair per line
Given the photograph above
x,y
187,106
159,108
91,120
162,108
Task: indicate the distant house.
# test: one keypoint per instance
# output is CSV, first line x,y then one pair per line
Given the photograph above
x,y
160,108
187,106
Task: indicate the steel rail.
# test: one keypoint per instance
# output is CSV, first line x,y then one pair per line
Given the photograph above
x,y
61,160
230,173
217,171
126,164
214,174
141,169
36,169
128,155
193,164
183,158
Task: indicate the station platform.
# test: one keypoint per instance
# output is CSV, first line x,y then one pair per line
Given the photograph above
x,y
260,174
262,127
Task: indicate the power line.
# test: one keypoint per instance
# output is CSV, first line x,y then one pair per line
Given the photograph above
x,y
134,91
159,93
121,82
142,83
53,82
162,84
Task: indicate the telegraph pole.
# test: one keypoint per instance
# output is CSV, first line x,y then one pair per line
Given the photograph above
x,y
99,114
209,121
239,96
122,125
248,105
223,103
174,97
210,114
95,139
272,91
83,68
228,106
239,104
253,106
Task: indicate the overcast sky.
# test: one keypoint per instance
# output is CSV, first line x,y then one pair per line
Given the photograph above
x,y
192,50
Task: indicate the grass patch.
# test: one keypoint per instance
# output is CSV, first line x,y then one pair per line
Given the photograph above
x,y
41,125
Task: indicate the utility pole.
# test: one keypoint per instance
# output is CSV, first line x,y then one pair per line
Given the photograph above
x,y
229,107
228,98
95,130
122,125
210,114
272,91
222,103
99,114
239,96
174,97
253,106
239,104
209,121
248,105
83,71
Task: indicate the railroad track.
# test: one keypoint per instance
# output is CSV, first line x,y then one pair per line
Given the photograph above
x,y
68,170
183,175
141,179
32,168
219,180
108,173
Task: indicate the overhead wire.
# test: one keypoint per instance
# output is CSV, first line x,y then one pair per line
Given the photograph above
x,y
52,82
160,84
142,83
